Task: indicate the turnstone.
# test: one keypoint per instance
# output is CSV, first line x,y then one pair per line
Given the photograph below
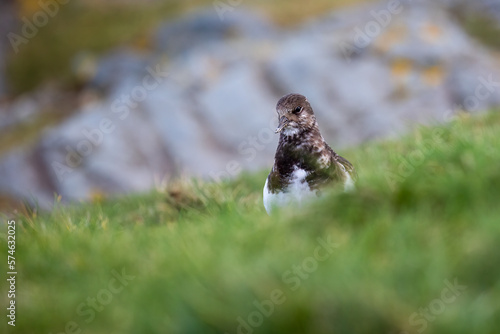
x,y
303,162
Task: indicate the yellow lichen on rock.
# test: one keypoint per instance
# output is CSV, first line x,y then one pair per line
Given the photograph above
x,y
433,76
431,33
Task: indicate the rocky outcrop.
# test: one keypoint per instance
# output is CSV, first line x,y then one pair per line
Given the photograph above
x,y
201,102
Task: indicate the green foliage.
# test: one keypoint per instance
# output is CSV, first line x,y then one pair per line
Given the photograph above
x,y
481,27
79,27
383,259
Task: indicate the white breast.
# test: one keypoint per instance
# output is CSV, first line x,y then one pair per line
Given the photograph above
x,y
297,192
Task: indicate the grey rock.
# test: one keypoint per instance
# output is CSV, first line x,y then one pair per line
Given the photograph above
x,y
206,27
23,176
47,99
18,111
100,151
107,74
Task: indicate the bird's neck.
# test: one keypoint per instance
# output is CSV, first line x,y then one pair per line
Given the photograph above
x,y
309,139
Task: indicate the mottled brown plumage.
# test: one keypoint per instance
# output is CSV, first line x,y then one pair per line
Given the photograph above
x,y
304,162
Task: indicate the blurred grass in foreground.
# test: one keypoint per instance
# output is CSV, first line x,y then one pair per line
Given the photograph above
x,y
205,258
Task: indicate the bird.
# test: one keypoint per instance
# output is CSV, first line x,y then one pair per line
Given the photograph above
x,y
304,163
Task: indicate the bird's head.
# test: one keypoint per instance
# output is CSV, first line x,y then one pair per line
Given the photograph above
x,y
294,114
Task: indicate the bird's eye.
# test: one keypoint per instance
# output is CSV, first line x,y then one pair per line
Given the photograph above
x,y
297,110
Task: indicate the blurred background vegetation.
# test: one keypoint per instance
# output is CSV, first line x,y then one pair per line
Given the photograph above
x,y
96,27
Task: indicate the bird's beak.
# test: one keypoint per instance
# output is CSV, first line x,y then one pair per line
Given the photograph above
x,y
282,123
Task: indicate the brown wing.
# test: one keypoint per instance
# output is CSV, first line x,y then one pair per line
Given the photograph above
x,y
337,159
348,166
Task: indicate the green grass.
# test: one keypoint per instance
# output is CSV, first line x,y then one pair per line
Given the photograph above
x,y
425,213
483,29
